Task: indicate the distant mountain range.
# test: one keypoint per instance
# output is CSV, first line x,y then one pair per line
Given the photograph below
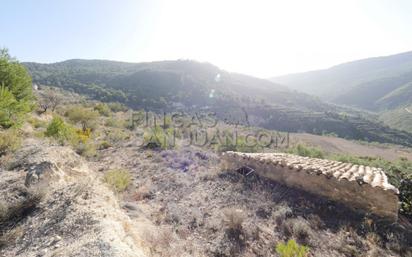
x,y
189,86
375,84
381,84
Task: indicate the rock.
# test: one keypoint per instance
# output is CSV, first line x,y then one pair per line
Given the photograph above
x,y
41,171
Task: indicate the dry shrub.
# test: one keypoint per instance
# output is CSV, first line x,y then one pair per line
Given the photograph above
x,y
10,237
234,218
298,228
350,243
159,240
9,141
282,213
143,192
13,212
10,211
315,221
118,179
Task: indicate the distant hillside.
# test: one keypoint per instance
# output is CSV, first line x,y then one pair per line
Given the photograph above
x,y
402,94
190,86
153,85
369,84
400,118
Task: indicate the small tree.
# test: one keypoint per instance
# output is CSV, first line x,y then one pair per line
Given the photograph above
x,y
15,91
50,100
83,116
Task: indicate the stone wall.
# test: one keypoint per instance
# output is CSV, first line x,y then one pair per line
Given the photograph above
x,y
361,188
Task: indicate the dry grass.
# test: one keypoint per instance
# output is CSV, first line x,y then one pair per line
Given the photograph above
x,y
299,229
282,213
159,240
9,141
10,237
118,179
143,192
13,212
234,218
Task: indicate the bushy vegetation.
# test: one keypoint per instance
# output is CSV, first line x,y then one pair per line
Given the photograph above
x,y
158,137
59,130
292,249
118,179
77,138
103,109
86,149
9,141
83,116
16,97
306,151
117,107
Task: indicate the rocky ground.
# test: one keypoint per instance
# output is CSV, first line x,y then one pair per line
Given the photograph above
x,y
197,209
53,204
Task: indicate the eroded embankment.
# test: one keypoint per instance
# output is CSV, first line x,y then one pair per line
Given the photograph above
x,y
52,204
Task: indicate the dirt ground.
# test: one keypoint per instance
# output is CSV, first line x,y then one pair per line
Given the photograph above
x,y
199,210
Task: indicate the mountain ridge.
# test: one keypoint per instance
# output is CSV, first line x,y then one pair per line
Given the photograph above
x,y
191,85
341,82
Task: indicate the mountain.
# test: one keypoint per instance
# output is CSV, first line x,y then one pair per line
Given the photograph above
x,y
374,84
153,84
193,86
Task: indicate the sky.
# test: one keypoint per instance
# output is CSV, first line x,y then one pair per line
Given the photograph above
x,y
259,37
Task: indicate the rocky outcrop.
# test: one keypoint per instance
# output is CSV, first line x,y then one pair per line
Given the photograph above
x,y
360,187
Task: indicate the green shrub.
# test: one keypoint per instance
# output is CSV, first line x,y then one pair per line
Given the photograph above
x,y
103,109
111,122
405,198
292,249
59,130
307,151
117,107
119,179
10,141
157,137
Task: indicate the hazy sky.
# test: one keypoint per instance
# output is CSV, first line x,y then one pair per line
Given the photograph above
x,y
261,38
